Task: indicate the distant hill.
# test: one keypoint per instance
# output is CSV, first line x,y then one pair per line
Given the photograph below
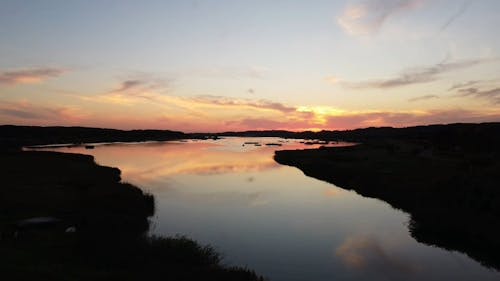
x,y
483,136
16,136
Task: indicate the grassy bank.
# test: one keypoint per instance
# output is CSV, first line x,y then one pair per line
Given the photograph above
x,y
452,194
95,228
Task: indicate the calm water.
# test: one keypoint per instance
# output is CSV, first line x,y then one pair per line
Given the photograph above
x,y
273,218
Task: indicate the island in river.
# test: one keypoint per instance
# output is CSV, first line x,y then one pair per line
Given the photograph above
x,y
446,177
63,217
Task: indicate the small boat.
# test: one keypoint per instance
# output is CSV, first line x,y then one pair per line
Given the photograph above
x,y
89,147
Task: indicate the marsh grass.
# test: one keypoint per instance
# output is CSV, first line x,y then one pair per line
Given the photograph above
x,y
110,218
452,195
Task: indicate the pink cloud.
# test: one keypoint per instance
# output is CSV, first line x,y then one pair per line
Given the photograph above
x,y
405,119
367,17
28,76
25,113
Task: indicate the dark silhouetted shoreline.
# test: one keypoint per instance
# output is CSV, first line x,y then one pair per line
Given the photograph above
x,y
63,217
445,176
16,136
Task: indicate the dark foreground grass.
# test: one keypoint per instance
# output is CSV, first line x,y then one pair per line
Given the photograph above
x,y
110,219
73,257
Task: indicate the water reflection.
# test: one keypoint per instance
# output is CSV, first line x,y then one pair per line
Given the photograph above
x,y
274,219
366,253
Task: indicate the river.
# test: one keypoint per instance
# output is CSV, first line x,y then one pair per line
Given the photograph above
x,y
272,218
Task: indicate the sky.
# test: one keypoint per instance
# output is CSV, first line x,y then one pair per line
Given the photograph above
x,y
226,65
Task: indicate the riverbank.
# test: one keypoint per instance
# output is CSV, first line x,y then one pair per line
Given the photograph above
x,y
84,224
452,194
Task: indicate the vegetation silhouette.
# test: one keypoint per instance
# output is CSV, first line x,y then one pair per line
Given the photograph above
x,y
445,176
63,217
17,136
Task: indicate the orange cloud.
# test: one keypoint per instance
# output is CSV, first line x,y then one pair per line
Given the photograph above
x,y
259,104
269,124
144,103
28,76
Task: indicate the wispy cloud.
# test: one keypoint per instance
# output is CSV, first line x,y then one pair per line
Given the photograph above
x,y
129,84
221,113
488,90
426,97
133,91
142,83
15,112
492,95
410,118
463,84
28,76
420,75
367,17
259,104
462,9
18,113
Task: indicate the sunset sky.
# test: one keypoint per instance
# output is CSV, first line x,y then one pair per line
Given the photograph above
x,y
220,65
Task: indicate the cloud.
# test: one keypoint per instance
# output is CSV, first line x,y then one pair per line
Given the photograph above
x,y
28,76
463,8
405,119
492,95
426,97
268,124
420,75
479,89
365,253
259,104
27,113
142,83
367,17
129,84
19,113
464,84
295,121
134,91
211,113
332,79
